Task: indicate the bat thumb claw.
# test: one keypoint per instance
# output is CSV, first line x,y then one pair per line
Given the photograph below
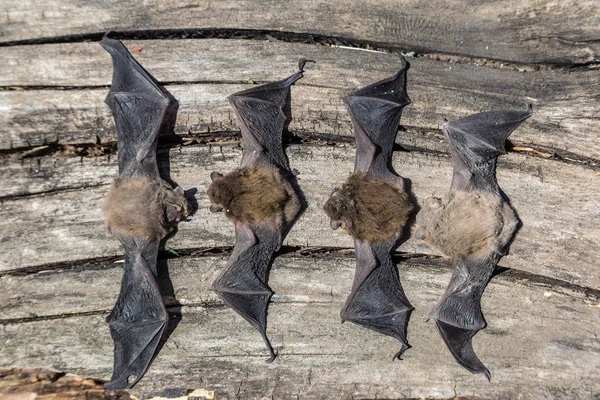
x,y
272,358
302,62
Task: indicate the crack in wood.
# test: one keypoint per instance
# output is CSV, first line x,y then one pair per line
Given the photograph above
x,y
294,37
404,260
92,150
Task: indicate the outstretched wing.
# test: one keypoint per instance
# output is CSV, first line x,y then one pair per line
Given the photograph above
x,y
262,113
377,300
375,112
476,142
138,321
139,318
139,106
243,284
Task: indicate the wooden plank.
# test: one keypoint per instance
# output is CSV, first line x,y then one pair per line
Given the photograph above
x,y
237,60
565,103
533,31
538,343
66,224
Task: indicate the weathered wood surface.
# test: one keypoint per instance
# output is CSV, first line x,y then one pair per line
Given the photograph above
x,y
319,357
42,384
63,196
542,314
565,103
530,31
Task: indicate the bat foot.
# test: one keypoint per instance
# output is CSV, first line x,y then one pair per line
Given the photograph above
x,y
272,357
398,355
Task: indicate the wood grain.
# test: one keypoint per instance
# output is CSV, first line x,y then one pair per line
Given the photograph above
x,y
564,120
533,31
56,216
539,342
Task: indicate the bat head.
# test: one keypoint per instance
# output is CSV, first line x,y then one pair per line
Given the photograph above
x,y
466,224
253,195
369,209
144,208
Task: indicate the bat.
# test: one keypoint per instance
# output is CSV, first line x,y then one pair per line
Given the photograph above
x,y
141,209
373,206
259,198
474,224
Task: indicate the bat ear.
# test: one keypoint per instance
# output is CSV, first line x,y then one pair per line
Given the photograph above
x,y
335,225
481,137
179,190
215,209
215,176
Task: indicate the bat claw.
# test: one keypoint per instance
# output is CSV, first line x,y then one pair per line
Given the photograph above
x,y
398,355
272,357
302,62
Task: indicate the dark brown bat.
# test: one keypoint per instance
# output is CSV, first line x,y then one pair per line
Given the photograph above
x,y
373,206
140,209
474,224
258,198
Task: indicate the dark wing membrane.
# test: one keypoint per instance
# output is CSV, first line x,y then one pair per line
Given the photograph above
x,y
139,105
375,112
262,113
139,318
475,143
458,315
377,300
243,284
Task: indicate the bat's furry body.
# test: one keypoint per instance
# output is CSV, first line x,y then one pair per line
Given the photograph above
x,y
254,195
474,224
467,224
369,209
259,198
141,209
373,206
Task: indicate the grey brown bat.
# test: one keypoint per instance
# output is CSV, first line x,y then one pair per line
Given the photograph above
x,y
474,224
259,198
141,209
373,206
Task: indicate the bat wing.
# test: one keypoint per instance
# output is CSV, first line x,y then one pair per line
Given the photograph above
x,y
139,318
137,323
375,112
377,300
475,143
262,113
139,106
243,284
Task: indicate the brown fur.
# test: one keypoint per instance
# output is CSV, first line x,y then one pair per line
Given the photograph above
x,y
369,209
140,207
255,195
467,224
